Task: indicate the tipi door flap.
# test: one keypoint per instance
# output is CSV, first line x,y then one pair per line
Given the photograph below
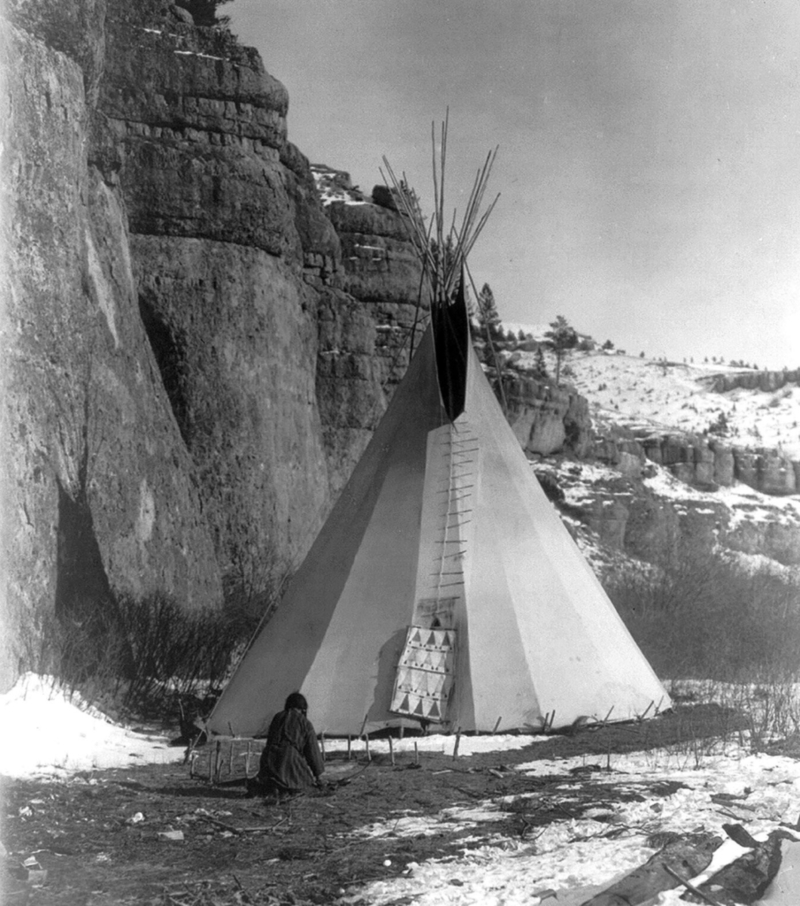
x,y
425,674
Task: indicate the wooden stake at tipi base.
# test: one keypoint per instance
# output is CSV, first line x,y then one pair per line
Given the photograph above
x,y
443,590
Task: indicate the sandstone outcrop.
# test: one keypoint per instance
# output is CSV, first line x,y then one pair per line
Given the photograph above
x,y
188,383
547,419
364,336
233,257
767,381
627,516
91,449
702,462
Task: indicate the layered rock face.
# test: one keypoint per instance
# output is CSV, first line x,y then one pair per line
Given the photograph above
x,y
547,419
364,342
98,486
230,249
187,382
754,380
661,525
703,463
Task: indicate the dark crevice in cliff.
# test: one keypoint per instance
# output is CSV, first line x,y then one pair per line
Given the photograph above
x,y
81,580
85,606
169,349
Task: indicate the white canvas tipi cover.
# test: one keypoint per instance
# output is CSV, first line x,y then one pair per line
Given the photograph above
x,y
443,587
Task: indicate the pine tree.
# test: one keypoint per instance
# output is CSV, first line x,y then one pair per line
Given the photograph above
x,y
488,316
561,338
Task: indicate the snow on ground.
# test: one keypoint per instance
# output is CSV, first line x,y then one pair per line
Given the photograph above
x,y
334,185
57,734
576,857
439,743
537,331
587,483
581,481
657,395
646,395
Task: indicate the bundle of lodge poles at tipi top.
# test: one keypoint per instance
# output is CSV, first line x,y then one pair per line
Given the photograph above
x,y
443,250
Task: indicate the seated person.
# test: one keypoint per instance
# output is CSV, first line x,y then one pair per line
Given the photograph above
x,y
291,760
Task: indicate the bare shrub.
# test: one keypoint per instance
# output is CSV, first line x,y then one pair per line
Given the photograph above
x,y
139,655
173,652
703,616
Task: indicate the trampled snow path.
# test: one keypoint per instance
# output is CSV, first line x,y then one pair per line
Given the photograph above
x,y
58,735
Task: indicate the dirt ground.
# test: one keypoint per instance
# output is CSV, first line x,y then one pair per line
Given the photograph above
x,y
99,835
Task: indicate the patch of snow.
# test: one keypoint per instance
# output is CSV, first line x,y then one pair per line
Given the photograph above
x,y
439,743
330,188
537,331
56,732
644,394
191,53
577,857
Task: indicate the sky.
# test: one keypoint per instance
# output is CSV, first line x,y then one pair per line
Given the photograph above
x,y
649,150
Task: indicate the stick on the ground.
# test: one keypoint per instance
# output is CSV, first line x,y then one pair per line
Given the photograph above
x,y
689,886
222,824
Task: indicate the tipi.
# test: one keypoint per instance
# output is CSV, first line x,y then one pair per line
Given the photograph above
x,y
443,587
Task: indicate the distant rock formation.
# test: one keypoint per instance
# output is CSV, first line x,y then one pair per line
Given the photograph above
x,y
703,463
767,381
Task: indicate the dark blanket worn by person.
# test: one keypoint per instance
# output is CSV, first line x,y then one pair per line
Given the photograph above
x,y
291,760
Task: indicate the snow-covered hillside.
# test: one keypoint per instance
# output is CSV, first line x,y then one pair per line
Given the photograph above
x,y
682,461
647,395
755,530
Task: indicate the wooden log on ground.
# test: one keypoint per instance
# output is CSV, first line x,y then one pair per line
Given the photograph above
x,y
784,889
746,879
695,891
688,857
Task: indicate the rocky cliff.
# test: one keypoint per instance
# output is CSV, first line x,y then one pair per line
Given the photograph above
x,y
98,490
187,380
